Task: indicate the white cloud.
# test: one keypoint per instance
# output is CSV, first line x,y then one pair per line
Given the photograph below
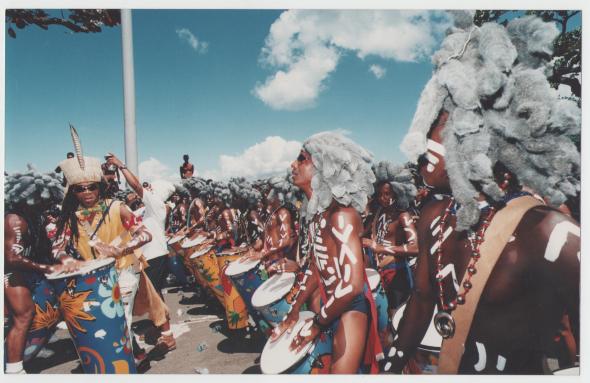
x,y
152,169
378,71
304,47
271,156
192,40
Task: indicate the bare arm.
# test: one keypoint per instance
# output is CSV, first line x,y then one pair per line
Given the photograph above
x,y
14,246
345,227
419,308
139,234
131,179
409,248
307,286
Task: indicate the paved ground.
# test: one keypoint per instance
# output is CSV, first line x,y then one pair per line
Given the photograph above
x,y
202,342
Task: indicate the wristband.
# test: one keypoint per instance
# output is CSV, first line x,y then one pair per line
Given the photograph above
x,y
122,167
316,321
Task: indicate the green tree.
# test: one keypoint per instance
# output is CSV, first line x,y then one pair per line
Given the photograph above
x,y
77,20
567,49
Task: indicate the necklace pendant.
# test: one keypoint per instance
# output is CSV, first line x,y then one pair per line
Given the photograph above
x,y
444,324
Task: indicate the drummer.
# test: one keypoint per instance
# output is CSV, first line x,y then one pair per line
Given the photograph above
x,y
153,197
196,208
280,237
27,251
393,234
245,201
500,267
339,272
91,226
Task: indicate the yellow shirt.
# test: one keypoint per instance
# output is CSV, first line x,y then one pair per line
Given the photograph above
x,y
109,230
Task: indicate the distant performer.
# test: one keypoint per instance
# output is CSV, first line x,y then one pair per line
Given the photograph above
x,y
186,169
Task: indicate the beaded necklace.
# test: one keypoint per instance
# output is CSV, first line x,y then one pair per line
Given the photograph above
x,y
443,321
85,213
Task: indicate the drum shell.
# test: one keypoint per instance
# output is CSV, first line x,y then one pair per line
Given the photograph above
x,y
192,266
45,317
209,270
235,308
383,326
92,307
319,360
246,283
275,311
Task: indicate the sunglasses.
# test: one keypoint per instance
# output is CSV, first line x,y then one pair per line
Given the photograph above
x,y
80,188
301,158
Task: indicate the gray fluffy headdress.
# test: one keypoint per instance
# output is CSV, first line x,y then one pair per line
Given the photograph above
x,y
401,180
32,187
493,82
196,185
284,189
342,172
241,189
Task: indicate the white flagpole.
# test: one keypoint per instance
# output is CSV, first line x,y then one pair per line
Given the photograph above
x,y
129,91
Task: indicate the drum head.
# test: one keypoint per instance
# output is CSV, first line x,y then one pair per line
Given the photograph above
x,y
86,268
203,251
193,242
237,267
276,357
373,277
173,240
432,339
233,251
273,289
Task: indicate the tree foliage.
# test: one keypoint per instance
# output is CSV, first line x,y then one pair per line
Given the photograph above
x,y
77,20
567,49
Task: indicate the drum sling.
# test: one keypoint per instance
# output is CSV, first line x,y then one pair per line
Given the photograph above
x,y
496,237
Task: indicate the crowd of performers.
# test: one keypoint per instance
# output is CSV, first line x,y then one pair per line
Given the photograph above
x,y
464,260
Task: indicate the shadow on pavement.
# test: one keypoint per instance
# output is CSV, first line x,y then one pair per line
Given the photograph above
x,y
252,370
204,310
63,352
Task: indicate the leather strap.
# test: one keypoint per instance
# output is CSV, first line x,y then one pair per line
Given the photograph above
x,y
497,235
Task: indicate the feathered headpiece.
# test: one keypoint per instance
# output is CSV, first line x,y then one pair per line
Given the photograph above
x,y
80,169
493,83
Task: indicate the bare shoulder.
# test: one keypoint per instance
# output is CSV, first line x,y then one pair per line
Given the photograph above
x,y
541,221
14,221
430,211
283,212
339,216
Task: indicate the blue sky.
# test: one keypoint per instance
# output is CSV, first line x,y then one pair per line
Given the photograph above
x,y
201,99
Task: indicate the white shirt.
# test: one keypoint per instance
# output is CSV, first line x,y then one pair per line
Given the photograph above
x,y
154,218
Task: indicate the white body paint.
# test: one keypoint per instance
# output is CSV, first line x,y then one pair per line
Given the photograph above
x,y
437,244
481,362
501,363
558,238
450,269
